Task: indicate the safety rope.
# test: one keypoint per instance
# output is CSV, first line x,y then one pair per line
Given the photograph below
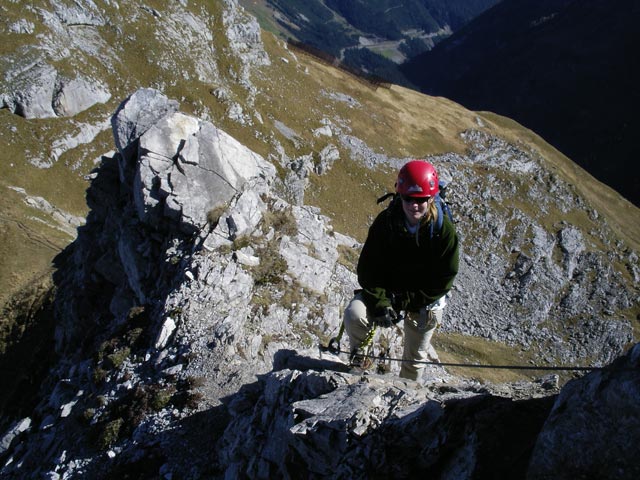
x,y
333,347
477,365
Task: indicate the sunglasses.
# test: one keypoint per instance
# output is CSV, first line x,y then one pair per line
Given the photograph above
x,y
408,199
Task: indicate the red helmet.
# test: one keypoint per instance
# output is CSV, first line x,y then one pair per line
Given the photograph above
x,y
417,178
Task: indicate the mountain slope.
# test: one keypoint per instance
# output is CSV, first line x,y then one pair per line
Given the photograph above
x,y
565,69
225,211
193,278
371,36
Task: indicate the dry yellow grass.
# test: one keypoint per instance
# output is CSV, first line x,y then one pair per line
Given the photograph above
x,y
404,123
621,215
396,121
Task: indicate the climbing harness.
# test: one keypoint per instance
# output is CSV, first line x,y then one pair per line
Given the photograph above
x,y
334,345
364,356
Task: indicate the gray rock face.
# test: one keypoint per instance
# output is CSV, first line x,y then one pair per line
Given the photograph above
x,y
39,92
593,430
244,35
189,168
74,33
32,93
334,425
328,156
139,113
76,95
192,278
83,12
67,33
22,26
160,239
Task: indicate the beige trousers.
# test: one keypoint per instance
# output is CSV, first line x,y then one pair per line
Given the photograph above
x,y
418,330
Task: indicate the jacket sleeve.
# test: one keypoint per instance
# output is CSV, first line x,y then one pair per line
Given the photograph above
x,y
371,271
443,271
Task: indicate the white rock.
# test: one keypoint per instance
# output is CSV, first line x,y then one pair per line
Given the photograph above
x,y
247,260
65,410
323,131
79,94
16,429
167,329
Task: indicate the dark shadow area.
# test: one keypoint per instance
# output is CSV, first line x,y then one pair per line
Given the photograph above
x,y
28,332
567,70
290,359
92,317
495,434
191,446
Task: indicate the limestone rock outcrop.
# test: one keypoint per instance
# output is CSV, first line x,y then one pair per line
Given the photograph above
x,y
191,305
40,92
325,424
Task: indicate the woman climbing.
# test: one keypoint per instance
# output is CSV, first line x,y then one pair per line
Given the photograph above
x,y
407,266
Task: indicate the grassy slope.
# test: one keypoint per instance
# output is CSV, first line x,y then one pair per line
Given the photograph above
x,y
27,245
398,122
404,123
620,214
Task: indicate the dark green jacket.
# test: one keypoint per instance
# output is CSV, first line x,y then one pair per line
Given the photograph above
x,y
404,270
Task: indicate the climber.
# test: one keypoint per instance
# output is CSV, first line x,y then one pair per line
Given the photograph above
x,y
405,269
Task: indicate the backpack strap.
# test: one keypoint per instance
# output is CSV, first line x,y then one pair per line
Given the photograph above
x,y
384,197
443,209
437,225
441,205
446,208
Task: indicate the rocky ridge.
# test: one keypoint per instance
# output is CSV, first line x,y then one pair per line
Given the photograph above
x,y
200,270
329,425
192,276
67,50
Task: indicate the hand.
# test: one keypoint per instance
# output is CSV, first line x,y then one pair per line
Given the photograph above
x,y
387,318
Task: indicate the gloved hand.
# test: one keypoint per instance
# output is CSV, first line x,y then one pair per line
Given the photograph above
x,y
386,318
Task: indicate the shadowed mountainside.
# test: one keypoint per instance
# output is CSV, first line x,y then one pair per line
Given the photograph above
x,y
566,69
225,211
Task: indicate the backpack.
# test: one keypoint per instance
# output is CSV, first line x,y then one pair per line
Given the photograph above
x,y
441,205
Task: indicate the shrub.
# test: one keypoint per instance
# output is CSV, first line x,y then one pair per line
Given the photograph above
x,y
348,257
282,221
117,358
110,433
214,215
272,267
160,398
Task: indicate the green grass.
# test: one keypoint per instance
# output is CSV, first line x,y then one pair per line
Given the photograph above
x,y
398,122
620,214
457,348
348,194
27,246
